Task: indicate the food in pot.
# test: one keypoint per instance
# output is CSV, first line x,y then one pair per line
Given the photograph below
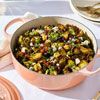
x,y
54,49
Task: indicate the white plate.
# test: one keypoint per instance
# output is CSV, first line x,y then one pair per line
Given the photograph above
x,y
84,3
95,22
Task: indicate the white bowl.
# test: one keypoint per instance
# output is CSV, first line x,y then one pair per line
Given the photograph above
x,y
84,3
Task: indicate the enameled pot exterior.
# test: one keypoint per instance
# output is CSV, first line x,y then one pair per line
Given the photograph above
x,y
49,82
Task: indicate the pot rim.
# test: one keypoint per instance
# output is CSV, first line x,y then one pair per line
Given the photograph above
x,y
61,18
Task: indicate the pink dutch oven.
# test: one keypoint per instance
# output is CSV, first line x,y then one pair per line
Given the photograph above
x,y
43,81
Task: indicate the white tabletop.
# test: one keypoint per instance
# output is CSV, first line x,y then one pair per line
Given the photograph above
x,y
83,91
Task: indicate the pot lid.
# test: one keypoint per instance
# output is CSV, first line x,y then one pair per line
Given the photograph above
x,y
8,91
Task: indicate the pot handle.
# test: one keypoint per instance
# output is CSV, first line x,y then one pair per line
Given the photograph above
x,y
87,72
27,17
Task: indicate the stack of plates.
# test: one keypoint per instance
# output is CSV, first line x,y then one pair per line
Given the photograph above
x,y
8,91
86,3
